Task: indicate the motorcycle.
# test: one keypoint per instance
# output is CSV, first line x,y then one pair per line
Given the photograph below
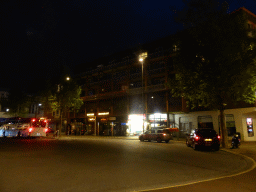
x,y
235,141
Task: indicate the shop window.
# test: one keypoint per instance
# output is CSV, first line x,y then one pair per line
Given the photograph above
x,y
230,124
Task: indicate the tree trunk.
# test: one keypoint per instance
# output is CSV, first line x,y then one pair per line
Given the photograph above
x,y
223,129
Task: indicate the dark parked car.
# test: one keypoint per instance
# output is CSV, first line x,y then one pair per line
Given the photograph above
x,y
203,138
158,135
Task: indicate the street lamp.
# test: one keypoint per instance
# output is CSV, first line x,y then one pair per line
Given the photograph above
x,y
142,57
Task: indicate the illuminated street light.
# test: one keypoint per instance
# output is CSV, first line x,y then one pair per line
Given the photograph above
x,y
68,78
142,57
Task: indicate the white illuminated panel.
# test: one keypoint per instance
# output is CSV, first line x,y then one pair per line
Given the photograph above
x,y
103,113
90,114
135,123
157,116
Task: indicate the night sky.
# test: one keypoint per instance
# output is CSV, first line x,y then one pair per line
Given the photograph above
x,y
39,37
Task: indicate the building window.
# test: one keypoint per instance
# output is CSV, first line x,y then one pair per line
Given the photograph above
x,y
230,124
205,122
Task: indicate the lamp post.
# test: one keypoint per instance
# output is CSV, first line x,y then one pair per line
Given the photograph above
x,y
142,57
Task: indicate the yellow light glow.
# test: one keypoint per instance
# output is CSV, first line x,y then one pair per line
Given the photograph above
x,y
103,113
90,114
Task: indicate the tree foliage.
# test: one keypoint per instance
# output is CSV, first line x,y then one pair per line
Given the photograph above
x,y
63,96
216,61
18,103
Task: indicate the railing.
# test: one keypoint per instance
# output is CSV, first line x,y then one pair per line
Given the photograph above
x,y
134,91
104,95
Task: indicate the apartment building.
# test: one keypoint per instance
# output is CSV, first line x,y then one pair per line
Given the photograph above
x,y
127,94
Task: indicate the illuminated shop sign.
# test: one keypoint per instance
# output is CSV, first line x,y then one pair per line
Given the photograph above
x,y
90,114
249,127
158,116
91,119
103,113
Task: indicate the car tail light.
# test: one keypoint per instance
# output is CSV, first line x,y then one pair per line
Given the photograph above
x,y
46,130
197,138
218,137
30,130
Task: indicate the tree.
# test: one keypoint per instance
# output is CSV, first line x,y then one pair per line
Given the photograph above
x,y
64,97
18,103
216,61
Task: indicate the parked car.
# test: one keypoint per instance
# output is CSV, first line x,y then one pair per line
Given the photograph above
x,y
158,135
203,137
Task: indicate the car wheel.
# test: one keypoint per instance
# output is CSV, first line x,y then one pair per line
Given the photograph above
x,y
167,141
187,143
141,139
195,147
159,140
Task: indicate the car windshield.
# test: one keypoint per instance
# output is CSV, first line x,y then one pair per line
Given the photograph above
x,y
206,132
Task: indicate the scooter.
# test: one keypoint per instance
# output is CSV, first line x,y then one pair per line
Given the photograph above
x,y
235,141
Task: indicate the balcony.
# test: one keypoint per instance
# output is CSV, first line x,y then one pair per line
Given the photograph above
x,y
148,89
104,95
135,91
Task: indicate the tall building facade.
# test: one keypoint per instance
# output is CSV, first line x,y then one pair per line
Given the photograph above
x,y
124,95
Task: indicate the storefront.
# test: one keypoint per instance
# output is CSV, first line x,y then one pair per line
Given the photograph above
x,y
135,124
154,121
104,124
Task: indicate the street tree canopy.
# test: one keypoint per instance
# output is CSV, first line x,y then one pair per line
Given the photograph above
x,y
63,97
216,61
18,103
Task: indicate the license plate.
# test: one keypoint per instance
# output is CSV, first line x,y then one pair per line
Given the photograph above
x,y
38,134
207,139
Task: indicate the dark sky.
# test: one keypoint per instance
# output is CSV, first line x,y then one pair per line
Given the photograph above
x,y
40,36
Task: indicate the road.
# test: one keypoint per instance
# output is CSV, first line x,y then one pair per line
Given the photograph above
x,y
105,164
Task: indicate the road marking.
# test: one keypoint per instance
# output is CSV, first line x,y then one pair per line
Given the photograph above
x,y
222,177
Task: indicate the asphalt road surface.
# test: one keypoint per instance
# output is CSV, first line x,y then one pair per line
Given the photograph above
x,y
105,164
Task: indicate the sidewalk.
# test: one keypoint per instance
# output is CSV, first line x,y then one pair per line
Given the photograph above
x,y
247,148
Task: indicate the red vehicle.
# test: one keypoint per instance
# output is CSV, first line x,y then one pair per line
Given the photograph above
x,y
203,138
37,127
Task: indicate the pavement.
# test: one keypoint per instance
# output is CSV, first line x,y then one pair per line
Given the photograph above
x,y
247,148
243,181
